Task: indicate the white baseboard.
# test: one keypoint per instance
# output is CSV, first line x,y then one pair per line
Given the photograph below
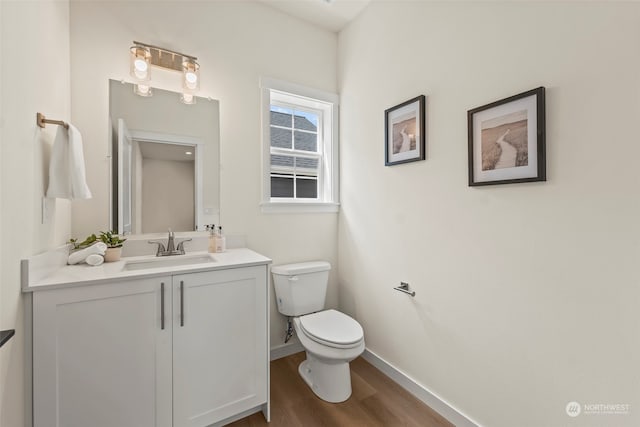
x,y
436,403
285,350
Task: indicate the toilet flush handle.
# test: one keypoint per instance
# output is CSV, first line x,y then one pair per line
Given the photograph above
x,y
293,278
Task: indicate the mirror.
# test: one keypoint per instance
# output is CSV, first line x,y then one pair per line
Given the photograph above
x,y
165,158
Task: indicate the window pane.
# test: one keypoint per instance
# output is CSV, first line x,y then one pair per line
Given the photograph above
x,y
306,166
281,109
306,141
287,171
280,138
307,188
280,118
281,187
282,161
306,121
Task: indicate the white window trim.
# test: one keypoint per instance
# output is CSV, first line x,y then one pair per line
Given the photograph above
x,y
330,151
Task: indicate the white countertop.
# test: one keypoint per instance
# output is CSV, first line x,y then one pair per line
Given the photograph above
x,y
83,274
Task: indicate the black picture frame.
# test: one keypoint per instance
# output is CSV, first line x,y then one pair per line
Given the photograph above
x,y
401,146
495,158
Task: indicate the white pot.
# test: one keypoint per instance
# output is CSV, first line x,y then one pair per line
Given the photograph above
x,y
113,254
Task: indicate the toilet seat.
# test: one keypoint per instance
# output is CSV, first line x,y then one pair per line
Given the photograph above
x,y
332,328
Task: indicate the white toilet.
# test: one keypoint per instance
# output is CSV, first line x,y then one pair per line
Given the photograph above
x,y
331,338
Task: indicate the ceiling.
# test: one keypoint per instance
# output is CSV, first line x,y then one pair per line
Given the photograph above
x,y
332,15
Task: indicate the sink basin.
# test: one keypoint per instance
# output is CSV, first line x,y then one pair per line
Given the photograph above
x,y
170,261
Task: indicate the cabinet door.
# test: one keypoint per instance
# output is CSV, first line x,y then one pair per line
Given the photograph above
x,y
101,357
220,355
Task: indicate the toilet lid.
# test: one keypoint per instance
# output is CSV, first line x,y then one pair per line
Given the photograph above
x,y
332,326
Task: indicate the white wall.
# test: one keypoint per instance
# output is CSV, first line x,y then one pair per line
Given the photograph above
x,y
236,42
527,294
34,78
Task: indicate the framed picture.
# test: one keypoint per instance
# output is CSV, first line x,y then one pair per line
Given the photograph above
x,y
405,132
507,140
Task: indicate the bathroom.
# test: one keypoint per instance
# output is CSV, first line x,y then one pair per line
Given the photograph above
x,y
526,294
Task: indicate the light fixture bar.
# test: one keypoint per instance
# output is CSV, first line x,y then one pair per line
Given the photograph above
x,y
161,57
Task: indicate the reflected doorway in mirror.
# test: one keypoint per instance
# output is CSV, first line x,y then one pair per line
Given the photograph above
x,y
159,181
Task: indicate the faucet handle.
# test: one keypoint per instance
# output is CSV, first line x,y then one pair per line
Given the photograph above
x,y
160,246
181,245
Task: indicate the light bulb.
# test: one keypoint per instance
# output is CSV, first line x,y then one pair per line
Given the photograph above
x,y
140,68
140,57
142,90
191,80
191,76
187,98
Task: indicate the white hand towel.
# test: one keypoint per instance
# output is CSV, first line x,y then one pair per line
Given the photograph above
x,y
67,179
79,188
59,182
94,260
81,255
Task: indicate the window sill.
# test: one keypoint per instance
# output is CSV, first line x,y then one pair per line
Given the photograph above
x,y
299,207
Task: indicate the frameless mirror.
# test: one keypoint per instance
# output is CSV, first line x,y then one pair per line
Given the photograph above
x,y
165,161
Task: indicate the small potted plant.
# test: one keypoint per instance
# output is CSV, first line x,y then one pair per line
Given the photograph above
x,y
114,245
84,244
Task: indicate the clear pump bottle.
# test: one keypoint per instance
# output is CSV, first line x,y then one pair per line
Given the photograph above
x,y
221,241
212,237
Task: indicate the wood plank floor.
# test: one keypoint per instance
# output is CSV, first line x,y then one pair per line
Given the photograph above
x,y
376,401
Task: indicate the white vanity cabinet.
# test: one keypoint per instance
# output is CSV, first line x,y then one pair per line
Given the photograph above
x,y
220,353
101,357
107,355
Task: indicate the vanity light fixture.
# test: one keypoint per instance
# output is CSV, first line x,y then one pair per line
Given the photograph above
x,y
140,57
140,69
191,75
145,55
190,80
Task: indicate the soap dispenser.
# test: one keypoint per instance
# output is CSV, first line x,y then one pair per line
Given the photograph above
x,y
212,237
221,241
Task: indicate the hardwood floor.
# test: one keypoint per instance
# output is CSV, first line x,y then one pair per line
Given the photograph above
x,y
376,401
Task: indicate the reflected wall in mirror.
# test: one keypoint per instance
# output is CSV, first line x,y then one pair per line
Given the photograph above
x,y
165,161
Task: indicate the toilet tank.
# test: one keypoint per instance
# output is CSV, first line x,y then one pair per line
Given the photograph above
x,y
300,288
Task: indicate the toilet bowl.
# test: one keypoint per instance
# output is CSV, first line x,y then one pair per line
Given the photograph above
x,y
331,339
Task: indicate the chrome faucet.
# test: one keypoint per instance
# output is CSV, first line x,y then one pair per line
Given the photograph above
x,y
170,249
170,242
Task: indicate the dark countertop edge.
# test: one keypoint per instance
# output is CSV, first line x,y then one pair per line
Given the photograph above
x,y
6,336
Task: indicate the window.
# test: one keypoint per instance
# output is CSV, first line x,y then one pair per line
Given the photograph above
x,y
296,155
299,149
